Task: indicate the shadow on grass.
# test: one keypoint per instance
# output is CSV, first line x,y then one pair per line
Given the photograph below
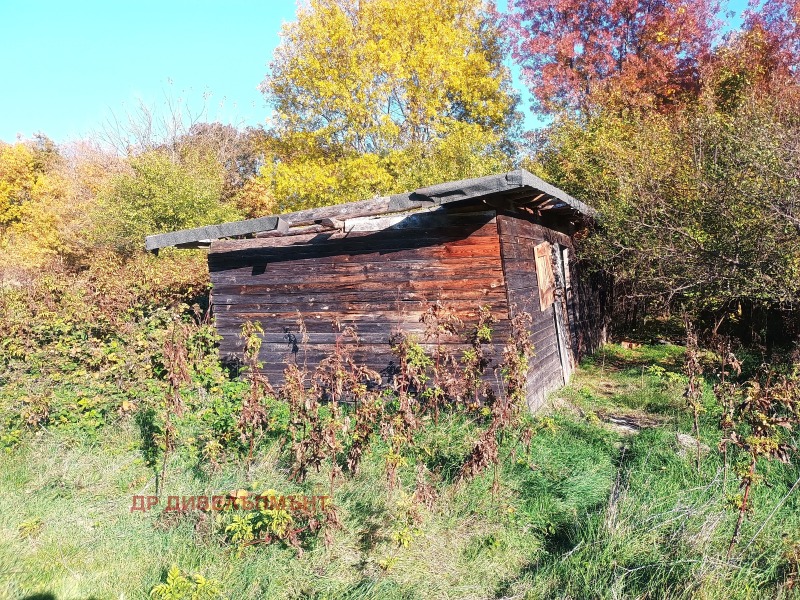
x,y
49,596
614,358
149,431
445,465
374,521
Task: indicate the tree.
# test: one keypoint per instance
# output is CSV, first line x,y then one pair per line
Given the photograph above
x,y
777,22
34,192
375,75
364,89
578,54
17,179
183,133
761,58
238,151
158,194
699,207
302,176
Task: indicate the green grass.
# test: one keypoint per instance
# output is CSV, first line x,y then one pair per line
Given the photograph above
x,y
589,511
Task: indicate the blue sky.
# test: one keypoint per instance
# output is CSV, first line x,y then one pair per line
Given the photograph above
x,y
67,67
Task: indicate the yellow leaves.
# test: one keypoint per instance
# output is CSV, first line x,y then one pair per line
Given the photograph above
x,y
308,177
255,198
320,181
32,207
378,74
17,178
375,97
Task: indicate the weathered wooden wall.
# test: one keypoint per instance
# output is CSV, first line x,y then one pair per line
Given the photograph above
x,y
584,300
375,280
518,237
379,275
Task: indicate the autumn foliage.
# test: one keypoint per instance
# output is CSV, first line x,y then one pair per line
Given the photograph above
x,y
685,140
580,55
375,97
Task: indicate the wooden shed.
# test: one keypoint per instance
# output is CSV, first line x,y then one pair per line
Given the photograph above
x,y
502,241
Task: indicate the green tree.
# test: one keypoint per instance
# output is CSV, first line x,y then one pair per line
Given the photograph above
x,y
159,194
699,207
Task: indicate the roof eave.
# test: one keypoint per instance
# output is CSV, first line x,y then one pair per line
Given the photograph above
x,y
436,195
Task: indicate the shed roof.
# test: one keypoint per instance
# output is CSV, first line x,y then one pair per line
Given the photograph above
x,y
506,190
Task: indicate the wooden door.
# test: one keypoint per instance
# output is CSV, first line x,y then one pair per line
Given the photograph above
x,y
561,313
551,279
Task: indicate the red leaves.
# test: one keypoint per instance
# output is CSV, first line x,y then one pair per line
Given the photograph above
x,y
578,53
778,21
581,54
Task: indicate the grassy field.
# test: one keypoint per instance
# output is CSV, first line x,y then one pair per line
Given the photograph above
x,y
604,503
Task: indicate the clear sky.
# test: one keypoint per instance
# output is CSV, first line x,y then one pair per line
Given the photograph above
x,y
67,66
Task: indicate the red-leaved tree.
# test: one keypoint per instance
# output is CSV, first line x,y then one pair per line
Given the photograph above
x,y
777,22
579,53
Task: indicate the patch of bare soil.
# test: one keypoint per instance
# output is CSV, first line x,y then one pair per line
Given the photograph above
x,y
628,423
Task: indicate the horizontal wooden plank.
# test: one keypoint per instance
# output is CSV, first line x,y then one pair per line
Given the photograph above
x,y
402,259
524,303
316,317
369,207
366,353
420,220
542,375
390,322
376,357
389,293
436,232
361,287
210,232
543,325
523,287
547,360
517,252
321,321
361,310
338,240
364,338
333,285
275,331
521,266
324,240
383,265
367,253
543,386
373,255
413,269
544,337
363,208
532,233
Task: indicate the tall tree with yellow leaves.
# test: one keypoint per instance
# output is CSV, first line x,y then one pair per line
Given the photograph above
x,y
366,91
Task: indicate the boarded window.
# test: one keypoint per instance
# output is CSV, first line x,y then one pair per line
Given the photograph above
x,y
544,275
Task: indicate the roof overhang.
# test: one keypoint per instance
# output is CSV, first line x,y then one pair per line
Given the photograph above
x,y
519,187
200,237
506,190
